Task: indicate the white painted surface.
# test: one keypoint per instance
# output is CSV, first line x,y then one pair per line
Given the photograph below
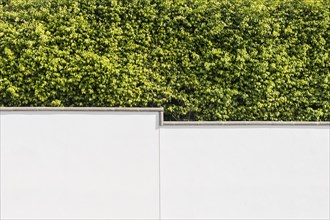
x,y
245,172
79,165
105,165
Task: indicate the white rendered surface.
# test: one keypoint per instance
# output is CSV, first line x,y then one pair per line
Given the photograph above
x,y
245,172
104,164
79,165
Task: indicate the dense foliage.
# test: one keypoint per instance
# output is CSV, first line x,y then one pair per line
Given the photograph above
x,y
199,59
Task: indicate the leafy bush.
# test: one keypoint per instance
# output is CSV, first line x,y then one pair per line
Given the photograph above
x,y
199,59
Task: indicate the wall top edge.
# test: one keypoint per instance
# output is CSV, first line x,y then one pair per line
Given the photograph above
x,y
240,123
85,109
162,122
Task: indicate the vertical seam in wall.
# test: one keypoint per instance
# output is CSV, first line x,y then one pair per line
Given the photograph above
x,y
159,195
329,162
0,159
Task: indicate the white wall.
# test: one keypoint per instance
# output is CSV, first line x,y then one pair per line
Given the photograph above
x,y
245,172
124,165
79,165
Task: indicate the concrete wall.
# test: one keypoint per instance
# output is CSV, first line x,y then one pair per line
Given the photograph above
x,y
245,172
79,165
108,163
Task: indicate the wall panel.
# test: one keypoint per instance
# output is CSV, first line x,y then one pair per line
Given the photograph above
x,y
79,165
245,172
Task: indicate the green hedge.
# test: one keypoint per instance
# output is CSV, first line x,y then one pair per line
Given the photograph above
x,y
199,59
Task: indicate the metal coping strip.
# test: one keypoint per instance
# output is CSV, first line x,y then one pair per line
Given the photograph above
x,y
161,116
243,123
79,109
